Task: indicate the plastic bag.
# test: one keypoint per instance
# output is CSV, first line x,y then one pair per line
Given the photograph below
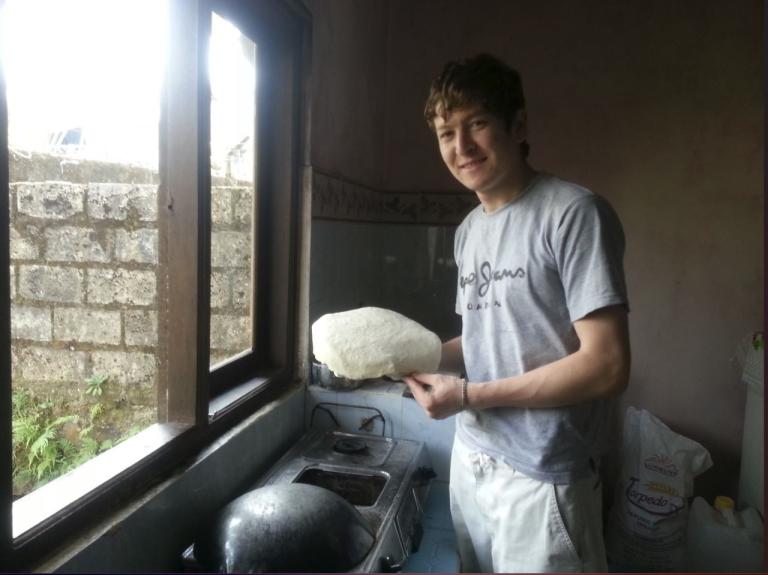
x,y
648,521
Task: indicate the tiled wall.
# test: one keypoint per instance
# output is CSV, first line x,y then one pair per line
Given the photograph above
x,y
345,267
404,418
406,268
391,250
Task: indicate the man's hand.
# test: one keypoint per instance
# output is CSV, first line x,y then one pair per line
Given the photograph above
x,y
439,395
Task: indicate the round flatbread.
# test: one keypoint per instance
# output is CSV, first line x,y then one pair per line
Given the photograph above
x,y
372,342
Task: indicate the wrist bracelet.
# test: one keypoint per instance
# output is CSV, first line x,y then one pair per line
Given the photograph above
x,y
464,394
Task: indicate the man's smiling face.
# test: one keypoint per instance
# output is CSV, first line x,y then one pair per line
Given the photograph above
x,y
479,150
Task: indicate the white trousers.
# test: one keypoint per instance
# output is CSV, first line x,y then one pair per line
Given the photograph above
x,y
506,522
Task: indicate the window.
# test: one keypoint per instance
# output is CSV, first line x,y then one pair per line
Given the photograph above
x,y
85,269
149,196
232,68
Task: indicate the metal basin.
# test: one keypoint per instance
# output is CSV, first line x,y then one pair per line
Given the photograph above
x,y
357,488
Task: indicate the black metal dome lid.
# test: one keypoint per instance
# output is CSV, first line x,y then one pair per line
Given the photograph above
x,y
285,528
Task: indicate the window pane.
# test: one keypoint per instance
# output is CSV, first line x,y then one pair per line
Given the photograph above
x,y
232,65
83,87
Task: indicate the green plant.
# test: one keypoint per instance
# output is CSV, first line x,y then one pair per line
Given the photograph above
x,y
37,451
95,384
52,437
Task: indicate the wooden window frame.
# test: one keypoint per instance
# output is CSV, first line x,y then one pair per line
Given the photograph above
x,y
275,263
195,405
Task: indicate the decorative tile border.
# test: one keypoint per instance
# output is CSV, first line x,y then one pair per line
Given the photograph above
x,y
440,208
337,199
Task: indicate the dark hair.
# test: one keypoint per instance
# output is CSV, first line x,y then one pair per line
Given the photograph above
x,y
482,79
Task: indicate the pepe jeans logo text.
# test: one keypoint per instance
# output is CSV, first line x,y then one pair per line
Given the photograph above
x,y
486,276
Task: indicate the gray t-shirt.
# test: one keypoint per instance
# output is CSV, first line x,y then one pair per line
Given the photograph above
x,y
526,272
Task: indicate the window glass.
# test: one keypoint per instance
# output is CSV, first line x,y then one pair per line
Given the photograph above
x,y
83,80
232,70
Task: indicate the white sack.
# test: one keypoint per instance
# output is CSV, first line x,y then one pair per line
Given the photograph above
x,y
372,342
648,521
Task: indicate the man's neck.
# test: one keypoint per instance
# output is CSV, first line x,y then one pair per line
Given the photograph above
x,y
500,197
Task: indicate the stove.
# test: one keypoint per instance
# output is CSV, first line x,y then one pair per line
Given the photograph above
x,y
386,479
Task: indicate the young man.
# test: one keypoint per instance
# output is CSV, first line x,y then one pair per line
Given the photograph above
x,y
544,341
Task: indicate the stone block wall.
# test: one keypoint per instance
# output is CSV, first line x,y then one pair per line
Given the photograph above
x,y
231,241
85,278
84,261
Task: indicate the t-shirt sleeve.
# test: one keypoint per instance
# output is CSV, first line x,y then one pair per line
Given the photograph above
x,y
589,250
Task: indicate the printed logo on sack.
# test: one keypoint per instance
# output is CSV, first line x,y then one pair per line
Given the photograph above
x,y
654,503
660,463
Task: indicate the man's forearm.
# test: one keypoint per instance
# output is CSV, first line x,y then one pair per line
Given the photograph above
x,y
598,369
573,379
452,357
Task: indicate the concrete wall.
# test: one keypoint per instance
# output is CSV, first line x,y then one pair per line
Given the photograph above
x,y
349,64
86,276
655,105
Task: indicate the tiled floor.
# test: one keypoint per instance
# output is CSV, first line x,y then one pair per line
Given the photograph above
x,y
437,552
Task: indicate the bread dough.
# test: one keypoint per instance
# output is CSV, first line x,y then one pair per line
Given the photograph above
x,y
371,342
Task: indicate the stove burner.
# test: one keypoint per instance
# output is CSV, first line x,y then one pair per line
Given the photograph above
x,y
349,446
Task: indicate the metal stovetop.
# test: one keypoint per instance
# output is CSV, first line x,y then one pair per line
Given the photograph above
x,y
387,480
394,460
